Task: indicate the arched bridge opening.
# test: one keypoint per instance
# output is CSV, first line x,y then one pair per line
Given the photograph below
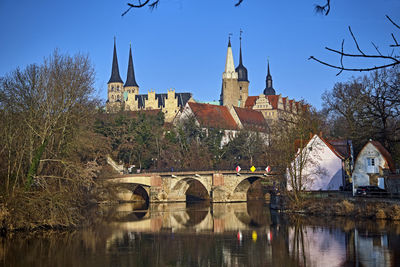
x,y
133,193
250,188
192,190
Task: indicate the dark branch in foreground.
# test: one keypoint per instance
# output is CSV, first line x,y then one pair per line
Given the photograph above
x,y
392,58
323,9
239,2
151,5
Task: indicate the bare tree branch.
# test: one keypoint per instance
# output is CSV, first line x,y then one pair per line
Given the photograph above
x,y
395,41
323,9
151,5
341,58
355,69
397,26
239,2
355,41
393,58
377,50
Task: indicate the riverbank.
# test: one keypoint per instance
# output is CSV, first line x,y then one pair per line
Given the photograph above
x,y
371,208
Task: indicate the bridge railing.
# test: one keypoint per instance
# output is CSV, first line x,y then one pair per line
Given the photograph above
x,y
258,169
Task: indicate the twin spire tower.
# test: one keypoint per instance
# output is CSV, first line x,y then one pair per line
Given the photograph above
x,y
235,82
117,90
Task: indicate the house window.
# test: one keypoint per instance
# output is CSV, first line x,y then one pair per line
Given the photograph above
x,y
371,165
370,161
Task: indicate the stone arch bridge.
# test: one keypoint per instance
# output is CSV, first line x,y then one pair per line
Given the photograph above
x,y
216,186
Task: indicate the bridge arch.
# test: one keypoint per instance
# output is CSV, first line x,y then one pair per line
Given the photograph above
x,y
133,192
241,190
191,189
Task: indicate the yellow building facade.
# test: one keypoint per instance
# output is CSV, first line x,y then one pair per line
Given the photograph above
x,y
126,97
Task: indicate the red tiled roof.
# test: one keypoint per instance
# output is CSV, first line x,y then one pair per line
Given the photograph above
x,y
386,155
213,116
332,148
342,146
250,101
251,118
273,100
284,102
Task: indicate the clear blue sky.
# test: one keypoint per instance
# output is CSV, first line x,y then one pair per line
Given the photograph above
x,y
182,44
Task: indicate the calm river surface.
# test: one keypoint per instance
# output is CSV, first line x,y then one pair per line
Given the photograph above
x,y
237,234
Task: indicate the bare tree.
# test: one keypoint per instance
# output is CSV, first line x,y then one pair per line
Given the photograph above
x,y
289,138
42,109
367,107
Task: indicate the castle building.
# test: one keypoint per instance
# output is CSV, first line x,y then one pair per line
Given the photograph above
x,y
126,97
235,91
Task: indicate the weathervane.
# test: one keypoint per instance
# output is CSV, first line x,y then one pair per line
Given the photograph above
x,y
240,34
229,36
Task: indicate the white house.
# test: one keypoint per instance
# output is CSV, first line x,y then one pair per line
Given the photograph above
x,y
320,164
370,164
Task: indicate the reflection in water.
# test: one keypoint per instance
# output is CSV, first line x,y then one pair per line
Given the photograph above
x,y
198,234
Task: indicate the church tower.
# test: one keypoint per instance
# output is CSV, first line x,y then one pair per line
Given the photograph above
x,y
242,78
230,88
131,88
115,86
269,90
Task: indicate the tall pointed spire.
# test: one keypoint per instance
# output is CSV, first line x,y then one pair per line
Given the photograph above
x,y
229,72
115,78
240,69
130,77
240,56
269,90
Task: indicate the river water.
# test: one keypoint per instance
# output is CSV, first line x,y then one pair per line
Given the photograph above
x,y
236,234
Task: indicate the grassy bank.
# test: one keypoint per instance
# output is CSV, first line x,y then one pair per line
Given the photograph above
x,y
351,207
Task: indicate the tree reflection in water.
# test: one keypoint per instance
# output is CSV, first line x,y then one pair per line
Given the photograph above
x,y
207,235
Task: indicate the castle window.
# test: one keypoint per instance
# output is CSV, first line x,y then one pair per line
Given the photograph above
x,y
117,88
112,88
112,97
